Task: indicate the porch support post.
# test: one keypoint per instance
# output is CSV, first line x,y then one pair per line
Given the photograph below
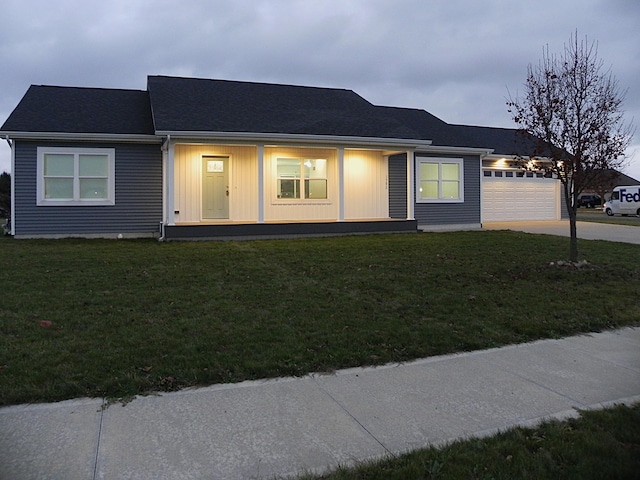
x,y
410,186
260,183
170,184
341,184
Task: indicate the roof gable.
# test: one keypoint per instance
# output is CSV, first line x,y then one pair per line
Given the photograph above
x,y
54,109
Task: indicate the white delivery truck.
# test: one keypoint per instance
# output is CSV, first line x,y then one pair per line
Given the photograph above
x,y
625,200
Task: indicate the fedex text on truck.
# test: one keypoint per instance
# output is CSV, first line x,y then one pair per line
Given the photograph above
x,y
629,197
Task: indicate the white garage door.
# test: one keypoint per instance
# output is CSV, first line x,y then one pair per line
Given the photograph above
x,y
514,198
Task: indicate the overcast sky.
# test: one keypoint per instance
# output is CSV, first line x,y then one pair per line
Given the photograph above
x,y
453,58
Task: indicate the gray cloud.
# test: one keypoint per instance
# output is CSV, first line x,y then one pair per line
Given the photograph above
x,y
455,59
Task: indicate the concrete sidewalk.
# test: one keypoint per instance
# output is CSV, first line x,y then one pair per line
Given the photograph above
x,y
283,427
585,230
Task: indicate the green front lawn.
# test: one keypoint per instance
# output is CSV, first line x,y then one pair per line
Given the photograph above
x,y
598,445
118,318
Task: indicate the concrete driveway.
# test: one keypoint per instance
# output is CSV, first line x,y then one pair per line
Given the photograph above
x,y
586,230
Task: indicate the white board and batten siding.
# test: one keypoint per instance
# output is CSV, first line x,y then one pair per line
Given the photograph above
x,y
365,184
519,198
286,210
243,181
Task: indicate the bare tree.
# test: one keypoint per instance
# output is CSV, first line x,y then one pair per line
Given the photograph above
x,y
572,120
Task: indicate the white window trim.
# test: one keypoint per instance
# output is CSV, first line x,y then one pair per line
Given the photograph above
x,y
439,161
76,202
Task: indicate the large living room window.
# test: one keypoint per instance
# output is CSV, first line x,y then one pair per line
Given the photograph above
x,y
301,178
76,176
439,180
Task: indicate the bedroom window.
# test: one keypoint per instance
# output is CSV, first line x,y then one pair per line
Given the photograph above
x,y
439,180
76,176
299,178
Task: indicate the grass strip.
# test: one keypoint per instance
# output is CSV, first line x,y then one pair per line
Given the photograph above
x,y
598,216
602,444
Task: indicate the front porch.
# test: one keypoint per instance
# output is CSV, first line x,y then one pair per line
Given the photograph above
x,y
217,191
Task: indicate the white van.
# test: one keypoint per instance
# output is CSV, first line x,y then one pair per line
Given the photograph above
x,y
625,200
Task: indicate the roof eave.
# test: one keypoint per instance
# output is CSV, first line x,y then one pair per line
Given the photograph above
x,y
288,138
457,150
84,137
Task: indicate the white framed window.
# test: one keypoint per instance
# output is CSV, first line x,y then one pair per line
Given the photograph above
x,y
439,180
301,178
76,176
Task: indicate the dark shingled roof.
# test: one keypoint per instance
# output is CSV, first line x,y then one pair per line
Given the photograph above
x,y
612,177
504,141
202,105
81,110
428,126
176,104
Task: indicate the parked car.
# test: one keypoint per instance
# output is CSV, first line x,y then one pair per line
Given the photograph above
x,y
589,200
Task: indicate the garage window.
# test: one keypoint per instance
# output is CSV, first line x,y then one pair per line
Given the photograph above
x,y
439,180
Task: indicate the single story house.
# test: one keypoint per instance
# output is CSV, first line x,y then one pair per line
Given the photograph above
x,y
198,158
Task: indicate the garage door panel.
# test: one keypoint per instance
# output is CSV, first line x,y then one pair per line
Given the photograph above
x,y
512,199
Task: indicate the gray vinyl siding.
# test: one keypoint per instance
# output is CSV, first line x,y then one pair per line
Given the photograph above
x,y
467,212
398,186
138,203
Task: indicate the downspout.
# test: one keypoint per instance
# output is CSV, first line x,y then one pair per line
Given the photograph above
x,y
482,157
165,143
12,214
164,149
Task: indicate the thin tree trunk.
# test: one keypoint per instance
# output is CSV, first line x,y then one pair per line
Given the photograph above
x,y
573,240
